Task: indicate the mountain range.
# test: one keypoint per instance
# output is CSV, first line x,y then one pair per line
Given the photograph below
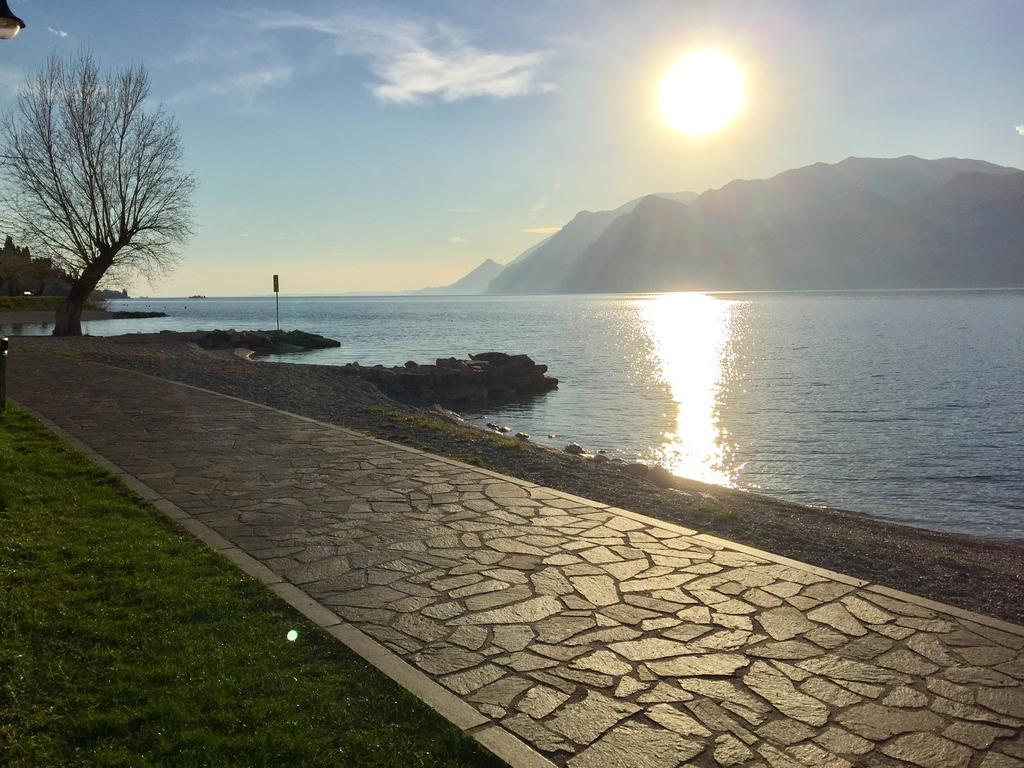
x,y
861,223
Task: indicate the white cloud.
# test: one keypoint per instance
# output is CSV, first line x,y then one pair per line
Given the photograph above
x,y
542,230
456,239
416,62
1019,129
542,203
252,82
242,86
232,62
57,32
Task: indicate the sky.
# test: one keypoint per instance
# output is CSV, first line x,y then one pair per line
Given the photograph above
x,y
390,146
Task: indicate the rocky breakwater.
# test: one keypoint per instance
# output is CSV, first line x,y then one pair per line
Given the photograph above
x,y
263,342
133,315
483,379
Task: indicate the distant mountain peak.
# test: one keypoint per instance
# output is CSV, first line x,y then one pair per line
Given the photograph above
x,y
548,263
475,282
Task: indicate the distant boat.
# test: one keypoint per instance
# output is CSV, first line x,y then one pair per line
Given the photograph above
x,y
197,296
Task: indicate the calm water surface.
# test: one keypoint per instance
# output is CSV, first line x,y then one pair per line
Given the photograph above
x,y
909,406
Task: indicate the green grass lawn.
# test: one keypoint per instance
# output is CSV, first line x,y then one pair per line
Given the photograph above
x,y
125,642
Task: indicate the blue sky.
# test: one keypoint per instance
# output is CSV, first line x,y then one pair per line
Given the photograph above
x,y
354,147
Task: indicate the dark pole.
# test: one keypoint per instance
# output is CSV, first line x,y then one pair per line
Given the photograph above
x,y
3,373
277,301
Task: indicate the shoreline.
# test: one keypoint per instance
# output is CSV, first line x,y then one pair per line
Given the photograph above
x,y
44,317
975,572
33,317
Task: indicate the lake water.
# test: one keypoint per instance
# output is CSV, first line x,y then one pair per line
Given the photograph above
x,y
905,405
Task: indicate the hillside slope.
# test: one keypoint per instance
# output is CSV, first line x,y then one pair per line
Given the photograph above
x,y
473,283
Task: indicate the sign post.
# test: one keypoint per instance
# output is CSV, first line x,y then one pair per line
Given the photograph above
x,y
3,373
277,301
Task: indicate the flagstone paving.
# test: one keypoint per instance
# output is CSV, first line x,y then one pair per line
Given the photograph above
x,y
599,637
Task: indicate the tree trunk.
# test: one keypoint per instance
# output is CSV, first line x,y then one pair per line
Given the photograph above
x,y
69,317
69,314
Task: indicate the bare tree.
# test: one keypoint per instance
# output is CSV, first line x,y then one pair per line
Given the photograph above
x,y
93,176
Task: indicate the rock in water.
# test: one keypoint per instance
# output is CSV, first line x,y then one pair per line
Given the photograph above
x,y
575,449
135,315
485,378
263,342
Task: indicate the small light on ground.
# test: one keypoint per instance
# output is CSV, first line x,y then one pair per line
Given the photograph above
x,y
292,635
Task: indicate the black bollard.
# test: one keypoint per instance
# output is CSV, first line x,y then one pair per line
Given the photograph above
x,y
3,373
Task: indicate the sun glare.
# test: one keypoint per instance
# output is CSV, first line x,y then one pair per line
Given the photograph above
x,y
702,92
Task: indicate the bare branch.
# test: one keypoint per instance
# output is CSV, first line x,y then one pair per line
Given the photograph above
x,y
92,178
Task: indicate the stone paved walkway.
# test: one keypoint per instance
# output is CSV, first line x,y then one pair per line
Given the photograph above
x,y
600,637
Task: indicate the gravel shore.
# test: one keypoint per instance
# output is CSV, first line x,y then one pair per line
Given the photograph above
x,y
979,574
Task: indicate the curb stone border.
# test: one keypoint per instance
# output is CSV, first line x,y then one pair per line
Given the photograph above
x,y
492,736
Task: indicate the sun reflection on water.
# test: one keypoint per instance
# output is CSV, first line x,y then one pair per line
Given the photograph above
x,y
692,336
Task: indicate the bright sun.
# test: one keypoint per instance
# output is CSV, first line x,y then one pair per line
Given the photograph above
x,y
701,92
